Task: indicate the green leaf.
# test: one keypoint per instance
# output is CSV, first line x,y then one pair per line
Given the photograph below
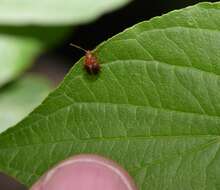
x,y
52,12
20,45
16,55
47,35
20,98
154,107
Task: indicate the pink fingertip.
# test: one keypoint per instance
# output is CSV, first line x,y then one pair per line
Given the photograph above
x,y
86,172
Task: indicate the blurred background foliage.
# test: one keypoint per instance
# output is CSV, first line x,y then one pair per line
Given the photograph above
x,y
35,51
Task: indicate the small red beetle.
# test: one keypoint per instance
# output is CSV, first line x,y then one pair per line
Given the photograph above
x,y
91,64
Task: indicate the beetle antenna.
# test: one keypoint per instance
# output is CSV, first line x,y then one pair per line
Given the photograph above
x,y
78,47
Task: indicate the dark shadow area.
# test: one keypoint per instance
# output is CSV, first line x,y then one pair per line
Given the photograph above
x,y
7,183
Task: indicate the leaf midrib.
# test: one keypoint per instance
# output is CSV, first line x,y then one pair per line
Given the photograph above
x,y
118,138
111,104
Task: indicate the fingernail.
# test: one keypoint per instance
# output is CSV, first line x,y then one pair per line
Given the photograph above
x,y
86,172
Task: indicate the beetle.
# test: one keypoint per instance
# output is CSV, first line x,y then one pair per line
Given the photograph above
x,y
91,64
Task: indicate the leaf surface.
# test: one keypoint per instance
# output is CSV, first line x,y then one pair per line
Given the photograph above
x,y
50,12
154,108
20,98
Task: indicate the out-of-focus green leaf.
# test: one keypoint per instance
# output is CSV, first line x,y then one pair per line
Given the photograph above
x,y
53,12
16,54
20,98
20,45
46,35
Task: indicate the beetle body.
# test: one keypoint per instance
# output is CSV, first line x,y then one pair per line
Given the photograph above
x,y
91,63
